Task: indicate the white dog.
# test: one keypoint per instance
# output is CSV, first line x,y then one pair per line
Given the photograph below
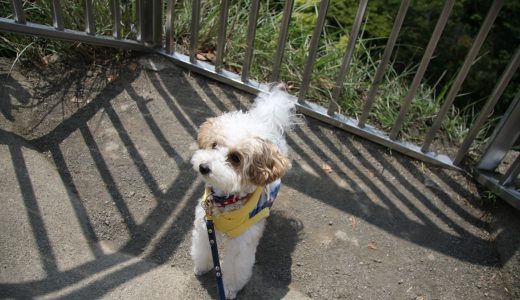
x,y
241,157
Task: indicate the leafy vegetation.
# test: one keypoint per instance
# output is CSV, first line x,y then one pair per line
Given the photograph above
x,y
463,25
35,49
331,50
421,18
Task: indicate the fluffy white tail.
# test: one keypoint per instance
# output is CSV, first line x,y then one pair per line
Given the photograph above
x,y
276,107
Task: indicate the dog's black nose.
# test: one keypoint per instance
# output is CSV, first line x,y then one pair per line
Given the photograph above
x,y
204,169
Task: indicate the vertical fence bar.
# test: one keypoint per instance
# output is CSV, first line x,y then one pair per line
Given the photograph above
x,y
490,104
157,22
90,23
336,92
19,15
461,76
313,48
512,172
194,30
282,38
425,61
251,31
116,19
126,12
140,17
149,22
57,19
168,26
221,38
384,62
503,138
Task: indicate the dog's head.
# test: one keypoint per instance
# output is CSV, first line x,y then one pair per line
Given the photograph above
x,y
234,156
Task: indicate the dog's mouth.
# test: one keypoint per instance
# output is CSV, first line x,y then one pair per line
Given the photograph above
x,y
222,179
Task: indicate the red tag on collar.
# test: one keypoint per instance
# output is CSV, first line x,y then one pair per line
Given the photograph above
x,y
230,200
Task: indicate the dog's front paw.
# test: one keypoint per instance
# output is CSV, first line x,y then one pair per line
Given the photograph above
x,y
198,270
231,293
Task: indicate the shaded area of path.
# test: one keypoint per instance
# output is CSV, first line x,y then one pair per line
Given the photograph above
x,y
99,200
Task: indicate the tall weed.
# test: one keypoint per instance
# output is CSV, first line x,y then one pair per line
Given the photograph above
x,y
333,42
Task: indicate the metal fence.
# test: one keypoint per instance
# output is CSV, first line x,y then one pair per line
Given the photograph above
x,y
150,37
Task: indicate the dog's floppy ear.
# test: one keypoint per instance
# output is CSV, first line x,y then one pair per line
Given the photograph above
x,y
267,164
206,135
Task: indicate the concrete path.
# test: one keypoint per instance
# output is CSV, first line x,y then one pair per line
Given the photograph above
x,y
98,198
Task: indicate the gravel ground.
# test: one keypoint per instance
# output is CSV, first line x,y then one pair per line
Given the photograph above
x,y
353,220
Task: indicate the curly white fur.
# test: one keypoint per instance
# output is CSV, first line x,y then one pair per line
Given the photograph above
x,y
256,138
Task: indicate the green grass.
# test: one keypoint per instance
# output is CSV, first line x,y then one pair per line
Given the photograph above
x,y
39,12
333,42
425,104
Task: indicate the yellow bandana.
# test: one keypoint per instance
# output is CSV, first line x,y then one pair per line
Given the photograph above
x,y
234,223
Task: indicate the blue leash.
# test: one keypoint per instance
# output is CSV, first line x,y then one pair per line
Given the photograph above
x,y
208,205
216,262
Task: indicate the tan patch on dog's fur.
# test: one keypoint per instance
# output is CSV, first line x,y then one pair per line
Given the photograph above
x,y
266,163
204,139
209,134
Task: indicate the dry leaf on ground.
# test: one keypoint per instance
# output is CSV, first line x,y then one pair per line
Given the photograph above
x,y
353,221
234,69
327,168
210,56
132,67
111,77
76,99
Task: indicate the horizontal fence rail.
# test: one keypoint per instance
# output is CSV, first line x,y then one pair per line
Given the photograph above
x,y
69,35
150,24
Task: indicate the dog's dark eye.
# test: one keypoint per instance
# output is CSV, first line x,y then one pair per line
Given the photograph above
x,y
235,158
214,146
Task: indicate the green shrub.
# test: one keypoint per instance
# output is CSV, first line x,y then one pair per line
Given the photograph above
x,y
334,38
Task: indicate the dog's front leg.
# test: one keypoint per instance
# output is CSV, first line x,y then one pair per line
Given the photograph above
x,y
200,248
239,258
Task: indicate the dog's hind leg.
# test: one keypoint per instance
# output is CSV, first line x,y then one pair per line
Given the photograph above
x,y
200,248
239,258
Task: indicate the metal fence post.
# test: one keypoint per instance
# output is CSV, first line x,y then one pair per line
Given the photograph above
x,y
506,134
18,12
149,22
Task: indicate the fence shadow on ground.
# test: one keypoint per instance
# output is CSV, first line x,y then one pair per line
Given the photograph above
x,y
157,238
390,217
